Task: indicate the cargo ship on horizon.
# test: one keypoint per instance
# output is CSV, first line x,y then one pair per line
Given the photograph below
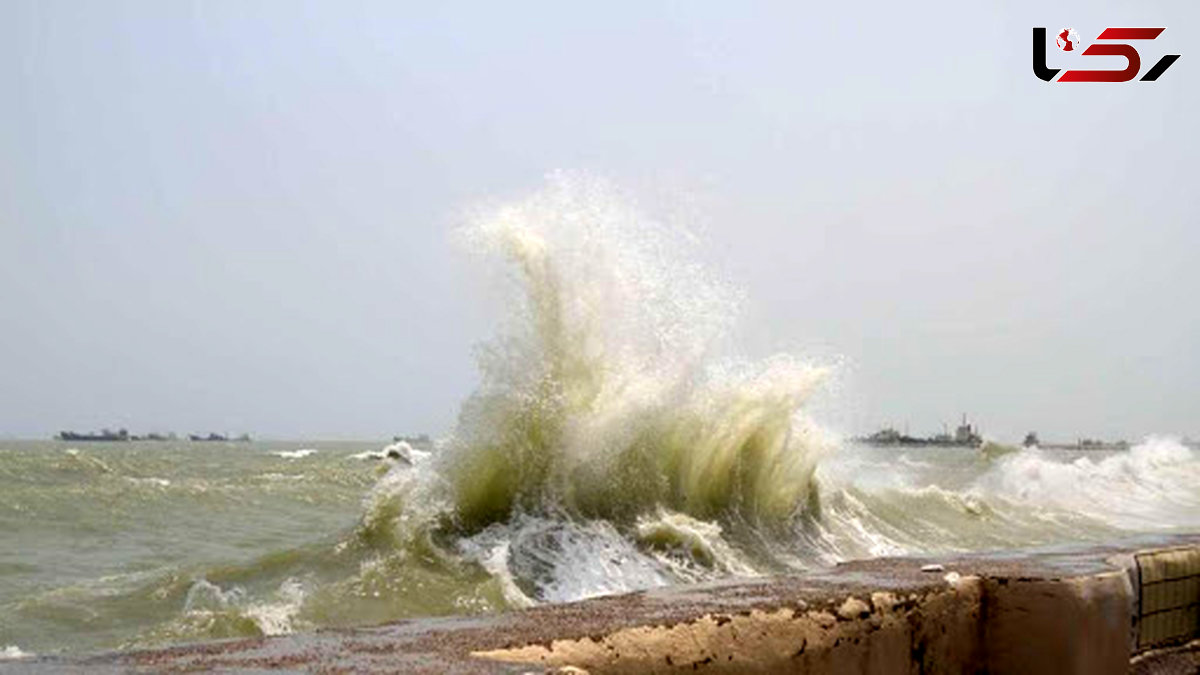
x,y
122,435
966,435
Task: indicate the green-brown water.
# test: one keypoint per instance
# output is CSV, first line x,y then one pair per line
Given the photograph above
x,y
111,544
617,440
107,545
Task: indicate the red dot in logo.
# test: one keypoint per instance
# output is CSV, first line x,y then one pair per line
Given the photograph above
x,y
1068,40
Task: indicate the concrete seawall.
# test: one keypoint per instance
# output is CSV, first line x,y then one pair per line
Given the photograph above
x,y
1097,610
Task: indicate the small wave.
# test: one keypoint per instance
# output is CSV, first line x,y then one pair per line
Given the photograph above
x,y
79,461
295,454
400,451
683,543
14,652
149,480
913,463
211,611
278,618
281,476
207,596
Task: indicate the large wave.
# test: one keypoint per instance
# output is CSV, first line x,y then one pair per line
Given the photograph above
x,y
617,442
608,395
610,415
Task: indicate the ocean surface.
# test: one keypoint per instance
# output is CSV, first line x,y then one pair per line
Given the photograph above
x,y
113,545
617,440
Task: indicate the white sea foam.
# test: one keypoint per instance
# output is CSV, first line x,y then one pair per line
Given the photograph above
x,y
556,560
692,548
295,454
205,601
150,480
14,652
400,451
205,596
273,476
490,549
278,616
1151,486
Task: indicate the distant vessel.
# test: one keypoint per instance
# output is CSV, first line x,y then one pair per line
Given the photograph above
x,y
104,435
220,438
161,437
108,435
965,436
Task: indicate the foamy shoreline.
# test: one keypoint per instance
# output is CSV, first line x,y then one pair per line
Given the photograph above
x,y
1063,610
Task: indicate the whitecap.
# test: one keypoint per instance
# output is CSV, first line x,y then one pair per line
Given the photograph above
x,y
278,618
149,480
295,454
400,451
14,652
1151,486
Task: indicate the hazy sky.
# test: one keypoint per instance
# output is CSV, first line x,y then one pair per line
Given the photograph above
x,y
234,216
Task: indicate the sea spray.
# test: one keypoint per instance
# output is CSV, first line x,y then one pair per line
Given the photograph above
x,y
615,440
1149,487
608,395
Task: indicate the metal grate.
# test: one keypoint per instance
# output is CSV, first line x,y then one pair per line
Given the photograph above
x,y
1168,596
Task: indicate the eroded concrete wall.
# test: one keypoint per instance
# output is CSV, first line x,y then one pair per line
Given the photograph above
x,y
1007,623
885,633
1073,625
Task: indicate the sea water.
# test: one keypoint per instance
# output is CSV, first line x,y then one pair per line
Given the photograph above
x,y
616,441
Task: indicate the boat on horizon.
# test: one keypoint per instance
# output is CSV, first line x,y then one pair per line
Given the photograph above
x,y
218,438
104,435
966,435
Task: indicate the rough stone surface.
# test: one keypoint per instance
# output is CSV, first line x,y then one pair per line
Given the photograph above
x,y
1183,660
